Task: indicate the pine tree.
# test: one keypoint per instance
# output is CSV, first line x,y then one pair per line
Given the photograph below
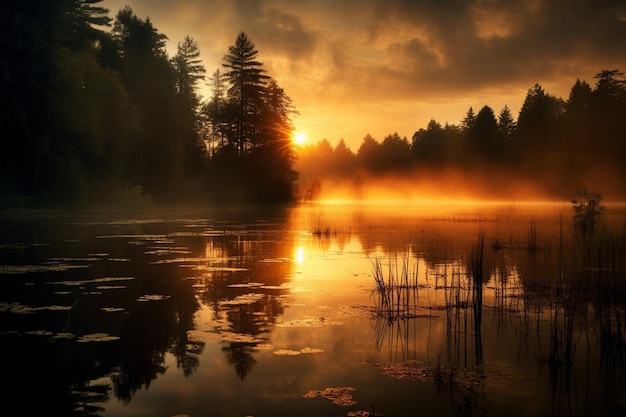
x,y
247,85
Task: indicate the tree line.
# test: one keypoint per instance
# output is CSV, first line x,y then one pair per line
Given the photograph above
x,y
555,145
95,111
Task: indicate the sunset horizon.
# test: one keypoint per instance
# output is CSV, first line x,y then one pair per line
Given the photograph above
x,y
355,208
378,68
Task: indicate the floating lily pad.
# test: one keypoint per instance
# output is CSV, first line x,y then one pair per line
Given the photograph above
x,y
275,260
17,308
92,281
153,297
244,299
308,350
339,395
309,322
232,337
289,352
39,333
246,285
97,337
26,269
62,336
363,413
111,309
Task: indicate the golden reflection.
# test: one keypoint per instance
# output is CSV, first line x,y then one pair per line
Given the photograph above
x,y
299,255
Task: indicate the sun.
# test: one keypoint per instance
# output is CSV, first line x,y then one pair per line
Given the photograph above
x,y
298,138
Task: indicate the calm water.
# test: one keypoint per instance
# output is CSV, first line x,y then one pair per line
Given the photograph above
x,y
264,312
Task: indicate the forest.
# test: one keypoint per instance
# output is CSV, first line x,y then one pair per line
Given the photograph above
x,y
554,147
100,115
95,113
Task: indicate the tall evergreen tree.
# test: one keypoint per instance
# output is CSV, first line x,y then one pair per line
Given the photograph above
x,y
607,108
506,123
148,75
271,159
188,68
579,100
51,98
214,111
188,71
368,154
537,124
395,152
483,142
256,157
247,85
469,120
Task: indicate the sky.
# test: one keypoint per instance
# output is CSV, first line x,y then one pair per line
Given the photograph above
x,y
353,67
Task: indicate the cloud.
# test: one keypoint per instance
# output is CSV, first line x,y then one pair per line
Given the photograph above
x,y
333,57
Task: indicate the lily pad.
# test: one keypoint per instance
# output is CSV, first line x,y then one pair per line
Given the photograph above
x,y
338,395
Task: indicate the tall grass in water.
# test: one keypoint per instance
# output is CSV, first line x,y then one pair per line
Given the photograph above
x,y
477,275
580,306
396,295
565,287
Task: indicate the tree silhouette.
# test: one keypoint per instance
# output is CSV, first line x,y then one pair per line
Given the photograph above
x,y
368,154
395,152
247,82
250,130
469,120
148,75
215,112
188,68
536,136
437,145
506,123
343,159
607,108
483,139
188,71
271,158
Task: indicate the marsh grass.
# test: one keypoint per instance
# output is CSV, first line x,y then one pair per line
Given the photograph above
x,y
396,294
561,295
396,299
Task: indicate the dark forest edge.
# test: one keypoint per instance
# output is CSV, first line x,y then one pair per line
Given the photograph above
x,y
99,115
555,147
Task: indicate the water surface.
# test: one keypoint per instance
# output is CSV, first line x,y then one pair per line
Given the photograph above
x,y
274,312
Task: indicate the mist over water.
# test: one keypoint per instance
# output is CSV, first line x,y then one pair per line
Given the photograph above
x,y
445,186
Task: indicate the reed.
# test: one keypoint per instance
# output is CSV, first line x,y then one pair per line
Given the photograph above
x,y
396,294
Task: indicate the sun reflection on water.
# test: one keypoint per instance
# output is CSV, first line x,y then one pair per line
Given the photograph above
x,y
299,256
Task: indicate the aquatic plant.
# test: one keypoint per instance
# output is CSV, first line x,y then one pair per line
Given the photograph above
x,y
397,294
588,210
338,395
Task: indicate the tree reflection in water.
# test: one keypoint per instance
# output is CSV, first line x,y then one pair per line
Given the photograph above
x,y
561,297
105,307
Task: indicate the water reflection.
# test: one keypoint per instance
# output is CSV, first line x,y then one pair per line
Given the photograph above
x,y
496,309
555,297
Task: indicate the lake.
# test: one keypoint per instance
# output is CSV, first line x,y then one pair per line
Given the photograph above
x,y
334,309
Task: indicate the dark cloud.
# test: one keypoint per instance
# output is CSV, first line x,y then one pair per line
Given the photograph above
x,y
336,55
284,33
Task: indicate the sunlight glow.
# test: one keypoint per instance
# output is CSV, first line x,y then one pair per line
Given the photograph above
x,y
299,138
300,254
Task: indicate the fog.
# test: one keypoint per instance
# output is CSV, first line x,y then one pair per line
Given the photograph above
x,y
443,185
